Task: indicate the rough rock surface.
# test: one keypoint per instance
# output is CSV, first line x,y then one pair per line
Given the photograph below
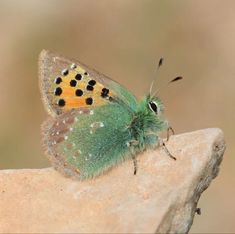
x,y
162,197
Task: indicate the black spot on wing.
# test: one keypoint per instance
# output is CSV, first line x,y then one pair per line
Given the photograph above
x,y
61,102
89,101
58,91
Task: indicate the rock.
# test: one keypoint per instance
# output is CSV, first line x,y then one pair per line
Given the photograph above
x,y
162,197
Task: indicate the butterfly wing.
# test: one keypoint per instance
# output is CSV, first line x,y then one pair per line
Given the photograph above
x,y
86,142
68,84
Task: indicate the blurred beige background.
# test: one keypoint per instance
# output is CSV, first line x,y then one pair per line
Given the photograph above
x,y
123,39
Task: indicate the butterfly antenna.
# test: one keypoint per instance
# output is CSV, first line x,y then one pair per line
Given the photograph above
x,y
177,78
160,62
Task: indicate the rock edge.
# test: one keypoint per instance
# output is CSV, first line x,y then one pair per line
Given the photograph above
x,y
161,198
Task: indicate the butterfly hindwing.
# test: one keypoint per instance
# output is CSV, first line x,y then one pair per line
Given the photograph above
x,y
86,142
68,84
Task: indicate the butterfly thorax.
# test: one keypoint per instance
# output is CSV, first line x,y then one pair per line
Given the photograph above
x,y
147,124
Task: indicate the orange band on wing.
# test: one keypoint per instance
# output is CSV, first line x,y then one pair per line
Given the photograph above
x,y
75,102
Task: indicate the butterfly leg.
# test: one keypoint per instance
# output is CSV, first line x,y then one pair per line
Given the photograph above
x,y
169,130
129,144
162,143
135,164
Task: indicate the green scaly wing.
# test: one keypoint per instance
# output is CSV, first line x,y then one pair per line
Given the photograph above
x,y
85,143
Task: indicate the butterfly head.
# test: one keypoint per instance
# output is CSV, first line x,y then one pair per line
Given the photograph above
x,y
149,120
153,104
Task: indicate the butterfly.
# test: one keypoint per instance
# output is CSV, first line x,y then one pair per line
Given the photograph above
x,y
95,123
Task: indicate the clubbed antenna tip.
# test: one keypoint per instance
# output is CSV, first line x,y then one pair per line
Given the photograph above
x,y
160,62
176,79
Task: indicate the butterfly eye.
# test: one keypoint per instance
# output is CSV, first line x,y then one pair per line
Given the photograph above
x,y
153,107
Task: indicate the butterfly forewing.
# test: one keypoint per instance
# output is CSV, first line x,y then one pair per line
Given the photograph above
x,y
68,84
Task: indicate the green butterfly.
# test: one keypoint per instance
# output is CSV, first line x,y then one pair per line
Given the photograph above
x,y
95,123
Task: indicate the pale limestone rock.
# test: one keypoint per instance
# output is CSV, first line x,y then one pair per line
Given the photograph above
x,y
162,197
